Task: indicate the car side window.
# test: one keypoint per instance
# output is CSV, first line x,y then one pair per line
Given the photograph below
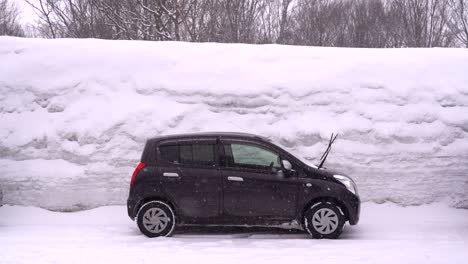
x,y
189,154
185,154
250,156
203,154
169,153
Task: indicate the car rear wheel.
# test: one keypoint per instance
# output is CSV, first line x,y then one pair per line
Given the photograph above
x,y
324,220
156,219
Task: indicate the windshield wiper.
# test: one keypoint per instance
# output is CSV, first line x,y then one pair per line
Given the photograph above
x,y
325,154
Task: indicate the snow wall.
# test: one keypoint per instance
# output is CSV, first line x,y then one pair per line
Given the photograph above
x,y
74,114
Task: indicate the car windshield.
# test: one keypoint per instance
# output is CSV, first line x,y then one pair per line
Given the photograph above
x,y
300,157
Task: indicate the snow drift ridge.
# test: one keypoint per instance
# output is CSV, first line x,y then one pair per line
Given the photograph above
x,y
74,114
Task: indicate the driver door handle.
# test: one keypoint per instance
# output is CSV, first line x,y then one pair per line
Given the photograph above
x,y
235,178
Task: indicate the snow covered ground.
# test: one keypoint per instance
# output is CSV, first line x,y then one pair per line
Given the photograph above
x,y
74,114
387,234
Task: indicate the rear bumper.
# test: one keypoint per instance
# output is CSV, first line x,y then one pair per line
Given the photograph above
x,y
131,206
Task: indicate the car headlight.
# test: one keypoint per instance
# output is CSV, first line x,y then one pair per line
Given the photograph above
x,y
348,182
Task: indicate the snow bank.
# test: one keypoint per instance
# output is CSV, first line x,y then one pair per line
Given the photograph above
x,y
74,114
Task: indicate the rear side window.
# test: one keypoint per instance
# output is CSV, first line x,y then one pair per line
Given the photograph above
x,y
189,154
169,153
185,154
203,154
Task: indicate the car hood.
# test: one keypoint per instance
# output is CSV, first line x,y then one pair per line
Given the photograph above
x,y
323,173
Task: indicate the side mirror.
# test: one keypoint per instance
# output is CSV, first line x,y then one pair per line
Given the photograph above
x,y
287,165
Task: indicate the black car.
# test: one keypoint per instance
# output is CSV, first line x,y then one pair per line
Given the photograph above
x,y
236,179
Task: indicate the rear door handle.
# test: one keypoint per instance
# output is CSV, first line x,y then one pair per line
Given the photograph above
x,y
234,178
170,174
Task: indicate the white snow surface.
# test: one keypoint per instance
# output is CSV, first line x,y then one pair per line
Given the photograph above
x,y
387,233
74,114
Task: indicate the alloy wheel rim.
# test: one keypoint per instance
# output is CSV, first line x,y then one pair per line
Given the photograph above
x,y
325,221
155,220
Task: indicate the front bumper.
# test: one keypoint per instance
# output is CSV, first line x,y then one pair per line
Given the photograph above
x,y
353,207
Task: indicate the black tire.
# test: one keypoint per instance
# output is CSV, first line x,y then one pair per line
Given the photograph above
x,y
155,219
324,220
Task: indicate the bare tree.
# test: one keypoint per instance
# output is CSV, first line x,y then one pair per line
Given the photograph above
x,y
203,21
366,24
274,22
145,19
350,23
459,20
268,22
44,11
321,22
9,15
166,15
283,27
238,20
69,18
424,22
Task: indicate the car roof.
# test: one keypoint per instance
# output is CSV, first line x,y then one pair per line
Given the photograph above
x,y
209,134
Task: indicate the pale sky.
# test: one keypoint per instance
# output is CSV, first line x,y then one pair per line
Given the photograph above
x,y
27,15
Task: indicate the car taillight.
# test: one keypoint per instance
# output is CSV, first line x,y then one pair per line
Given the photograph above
x,y
135,173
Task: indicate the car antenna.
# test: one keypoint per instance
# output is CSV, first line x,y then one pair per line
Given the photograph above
x,y
244,130
325,154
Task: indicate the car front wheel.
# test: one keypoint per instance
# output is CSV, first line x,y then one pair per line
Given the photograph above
x,y
324,220
155,219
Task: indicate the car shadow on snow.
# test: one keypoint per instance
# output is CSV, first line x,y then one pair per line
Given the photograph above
x,y
248,232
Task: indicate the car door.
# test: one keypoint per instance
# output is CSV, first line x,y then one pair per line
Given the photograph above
x,y
255,190
190,177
